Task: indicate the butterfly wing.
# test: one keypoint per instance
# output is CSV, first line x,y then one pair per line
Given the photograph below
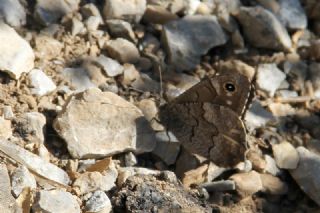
x,y
209,130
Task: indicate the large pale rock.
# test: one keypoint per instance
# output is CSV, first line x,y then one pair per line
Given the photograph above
x,y
256,21
96,124
55,201
188,38
48,12
12,12
129,10
307,173
285,155
34,163
7,201
16,55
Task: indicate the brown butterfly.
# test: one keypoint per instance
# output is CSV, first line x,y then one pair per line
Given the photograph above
x,y
206,119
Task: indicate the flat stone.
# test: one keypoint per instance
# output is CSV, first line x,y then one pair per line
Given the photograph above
x,y
273,185
48,12
16,55
40,82
119,28
110,67
307,173
183,43
98,202
123,50
13,13
21,178
128,10
256,116
78,78
269,78
55,201
247,183
256,21
112,125
285,155
34,163
5,128
7,202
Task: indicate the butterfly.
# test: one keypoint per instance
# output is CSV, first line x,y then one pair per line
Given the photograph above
x,y
206,119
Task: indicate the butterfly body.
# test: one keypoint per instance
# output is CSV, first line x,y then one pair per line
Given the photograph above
x,y
206,118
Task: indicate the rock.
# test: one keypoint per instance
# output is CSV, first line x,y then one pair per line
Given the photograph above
x,y
40,82
47,47
214,171
128,10
16,54
183,44
297,73
256,21
110,67
130,73
219,186
55,201
7,201
285,155
33,162
313,145
158,15
78,78
287,94
92,181
269,78
247,183
5,128
112,125
77,27
167,151
21,178
307,173
130,159
92,23
90,9
273,185
123,50
7,113
98,202
47,12
13,13
256,116
119,28
314,50
150,111
33,123
157,195
281,110
271,166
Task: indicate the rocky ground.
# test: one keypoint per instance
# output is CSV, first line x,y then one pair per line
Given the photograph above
x,y
81,82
